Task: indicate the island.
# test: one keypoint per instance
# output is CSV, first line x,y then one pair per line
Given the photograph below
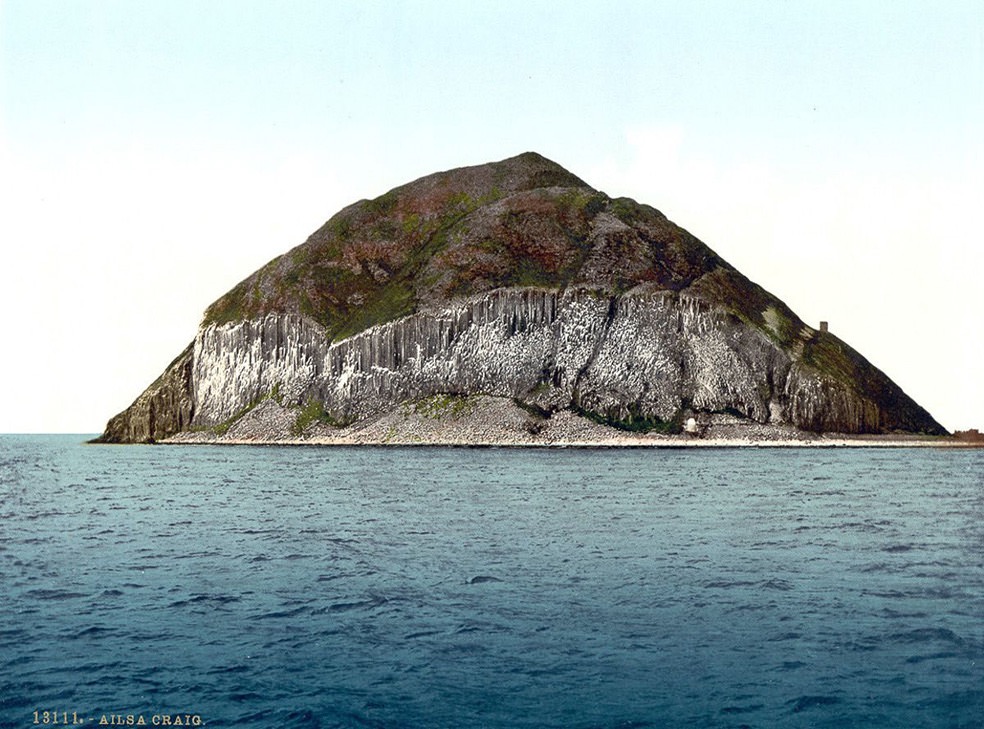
x,y
511,303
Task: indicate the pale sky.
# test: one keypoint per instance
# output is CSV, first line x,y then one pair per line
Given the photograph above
x,y
153,154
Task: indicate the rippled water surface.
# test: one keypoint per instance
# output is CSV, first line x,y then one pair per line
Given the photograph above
x,y
431,587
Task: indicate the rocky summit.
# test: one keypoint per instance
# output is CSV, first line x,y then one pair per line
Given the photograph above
x,y
517,281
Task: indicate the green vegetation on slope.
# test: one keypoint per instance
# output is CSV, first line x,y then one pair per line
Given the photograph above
x,y
521,222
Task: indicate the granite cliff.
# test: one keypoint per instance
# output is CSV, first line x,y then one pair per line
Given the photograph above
x,y
512,280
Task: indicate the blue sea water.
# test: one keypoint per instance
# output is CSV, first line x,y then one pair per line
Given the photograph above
x,y
453,587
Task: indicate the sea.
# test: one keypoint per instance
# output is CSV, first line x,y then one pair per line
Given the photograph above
x,y
307,586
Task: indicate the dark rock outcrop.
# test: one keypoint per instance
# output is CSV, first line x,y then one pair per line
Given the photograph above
x,y
165,408
514,279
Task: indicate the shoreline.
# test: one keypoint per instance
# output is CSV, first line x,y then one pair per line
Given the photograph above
x,y
493,422
629,442
716,443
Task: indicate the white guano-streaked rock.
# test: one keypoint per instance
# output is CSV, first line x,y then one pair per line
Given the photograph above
x,y
643,354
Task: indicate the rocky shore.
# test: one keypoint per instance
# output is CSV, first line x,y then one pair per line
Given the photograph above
x,y
482,420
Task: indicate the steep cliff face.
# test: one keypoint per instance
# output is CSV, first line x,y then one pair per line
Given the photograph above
x,y
514,279
165,408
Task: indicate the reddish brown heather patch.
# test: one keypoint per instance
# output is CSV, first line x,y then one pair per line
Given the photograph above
x,y
372,256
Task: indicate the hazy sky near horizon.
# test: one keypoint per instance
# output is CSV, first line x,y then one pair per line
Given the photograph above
x,y
154,154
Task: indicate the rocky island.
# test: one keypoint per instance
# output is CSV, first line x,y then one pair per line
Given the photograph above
x,y
510,303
